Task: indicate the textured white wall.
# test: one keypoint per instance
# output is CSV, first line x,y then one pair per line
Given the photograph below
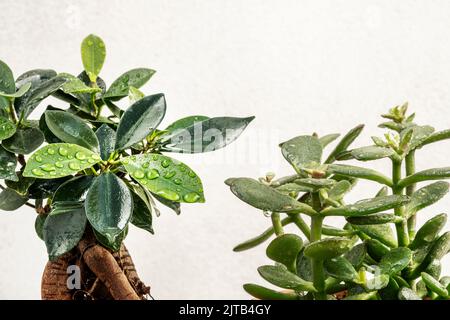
x,y
298,66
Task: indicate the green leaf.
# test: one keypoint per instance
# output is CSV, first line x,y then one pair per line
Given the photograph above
x,y
429,231
75,85
63,232
264,197
263,293
7,84
434,285
71,129
64,207
426,196
184,123
7,128
109,205
434,269
85,100
430,174
380,232
45,188
342,269
59,160
280,276
338,191
284,249
315,184
114,243
371,153
19,93
304,267
302,152
363,296
48,134
173,205
165,177
327,139
419,135
8,163
439,249
10,200
74,189
39,225
328,248
139,120
135,78
408,294
107,139
357,255
368,206
359,172
24,141
376,249
345,142
206,136
289,188
384,191
21,186
435,137
378,282
93,54
142,214
376,218
395,261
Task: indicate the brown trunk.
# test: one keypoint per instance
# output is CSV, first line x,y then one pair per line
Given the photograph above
x,y
104,274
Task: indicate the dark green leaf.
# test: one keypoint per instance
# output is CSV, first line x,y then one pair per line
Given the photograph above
x,y
338,191
434,285
93,55
19,93
107,139
342,269
207,135
39,225
24,141
139,120
175,206
429,231
376,218
74,189
426,196
8,163
134,78
358,172
114,243
109,205
184,123
302,152
21,186
44,188
356,255
279,275
71,129
380,232
10,200
439,249
327,139
328,248
304,267
264,197
430,174
395,261
345,142
263,293
7,128
284,249
142,214
7,84
371,153
48,134
376,249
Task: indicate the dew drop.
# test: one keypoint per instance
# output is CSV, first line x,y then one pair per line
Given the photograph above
x,y
74,166
177,181
38,158
192,174
53,173
191,197
63,151
70,156
95,157
37,172
90,43
165,163
155,157
51,151
145,165
125,161
143,182
152,174
169,174
168,194
138,174
59,165
80,155
47,167
91,161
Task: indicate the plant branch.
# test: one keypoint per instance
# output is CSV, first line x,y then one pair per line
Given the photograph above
x,y
317,264
276,222
410,170
401,227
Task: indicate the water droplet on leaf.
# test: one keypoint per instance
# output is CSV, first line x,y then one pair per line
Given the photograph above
x,y
191,197
138,174
37,172
80,155
152,174
74,166
63,151
168,194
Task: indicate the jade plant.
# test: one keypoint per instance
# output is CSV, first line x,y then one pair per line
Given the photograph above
x,y
94,167
377,252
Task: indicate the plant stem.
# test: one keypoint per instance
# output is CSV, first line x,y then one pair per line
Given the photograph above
x,y
301,224
317,264
401,227
411,169
12,112
276,222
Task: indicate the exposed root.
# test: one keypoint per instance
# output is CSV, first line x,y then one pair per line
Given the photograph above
x,y
54,279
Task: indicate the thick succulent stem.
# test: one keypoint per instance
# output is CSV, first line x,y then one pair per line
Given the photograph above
x,y
317,264
54,279
401,227
411,169
276,222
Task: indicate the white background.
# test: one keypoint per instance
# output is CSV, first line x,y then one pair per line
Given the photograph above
x,y
298,66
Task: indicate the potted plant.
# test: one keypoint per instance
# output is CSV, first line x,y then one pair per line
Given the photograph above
x,y
101,169
365,259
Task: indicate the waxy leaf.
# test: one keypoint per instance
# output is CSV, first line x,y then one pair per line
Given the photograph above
x,y
327,139
71,129
378,282
93,54
304,267
371,153
140,120
106,139
434,285
262,293
408,294
302,152
345,142
280,276
45,188
439,249
109,205
75,85
135,78
435,137
368,206
21,186
315,184
8,163
328,248
39,225
113,243
142,214
377,218
7,84
205,136
338,191
165,177
10,200
429,231
74,190
59,160
395,261
24,141
356,255
426,196
341,268
381,232
419,135
63,232
173,205
284,249
376,249
7,128
264,197
184,123
359,172
430,174
19,93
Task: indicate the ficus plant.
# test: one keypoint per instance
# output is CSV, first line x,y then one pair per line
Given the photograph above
x,y
377,253
92,165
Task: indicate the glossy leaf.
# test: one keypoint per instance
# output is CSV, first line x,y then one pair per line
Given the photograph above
x,y
93,54
419,135
359,172
434,285
109,205
395,261
7,84
376,218
381,232
262,293
304,267
8,163
341,268
338,191
205,136
113,243
437,136
439,249
134,78
280,276
315,184
71,129
378,282
327,139
429,231
75,85
59,160
21,186
345,142
363,296
24,141
284,249
139,120
7,128
302,152
10,200
39,225
368,206
74,189
106,139
356,255
328,248
264,197
376,249
48,134
45,188
19,93
173,205
426,196
371,153
63,232
184,123
408,294
430,174
142,215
